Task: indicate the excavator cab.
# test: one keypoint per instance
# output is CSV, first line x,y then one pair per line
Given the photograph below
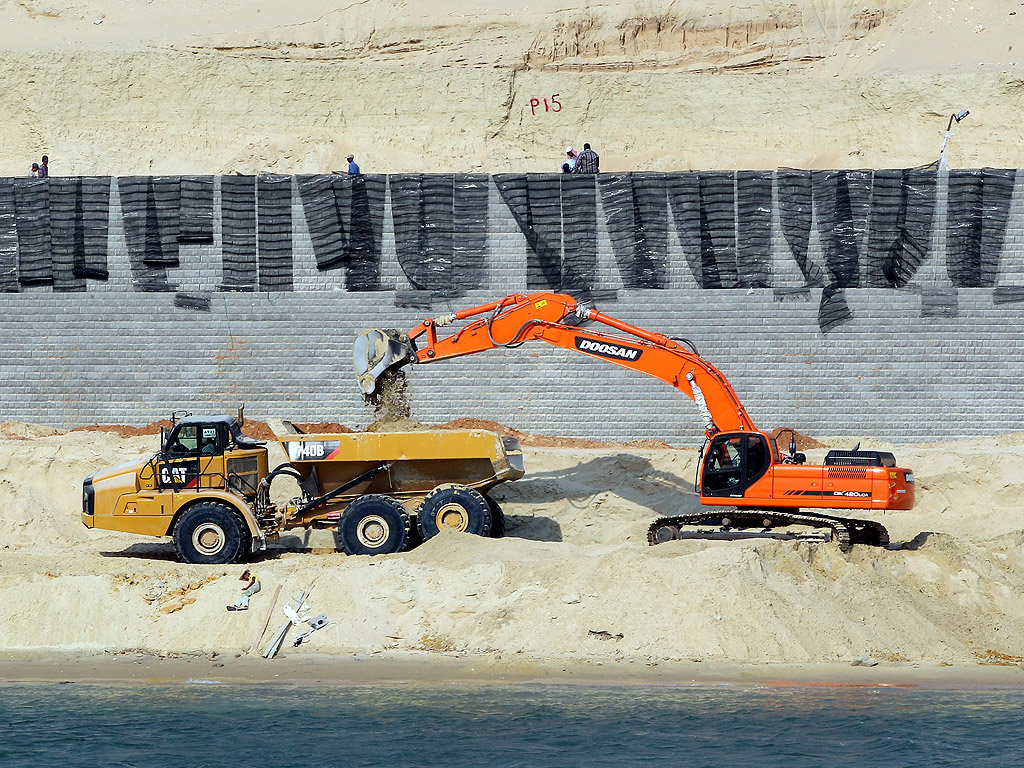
x,y
733,462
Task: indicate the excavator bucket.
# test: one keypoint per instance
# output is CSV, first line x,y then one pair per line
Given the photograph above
x,y
377,351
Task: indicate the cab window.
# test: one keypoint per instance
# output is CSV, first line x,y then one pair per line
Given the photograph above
x,y
210,442
185,442
726,455
734,463
757,457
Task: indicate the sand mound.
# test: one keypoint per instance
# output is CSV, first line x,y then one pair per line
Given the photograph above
x,y
19,430
41,485
573,578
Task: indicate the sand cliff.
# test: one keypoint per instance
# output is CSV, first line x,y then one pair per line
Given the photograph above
x,y
177,86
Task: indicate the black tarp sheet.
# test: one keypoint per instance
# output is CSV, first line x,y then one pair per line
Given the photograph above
x,y
323,220
274,216
842,203
436,227
238,233
94,220
683,191
544,200
423,209
35,260
977,212
137,196
650,219
67,236
753,229
164,210
718,228
407,216
345,218
535,203
796,212
197,302
636,215
195,224
365,224
8,238
579,234
469,237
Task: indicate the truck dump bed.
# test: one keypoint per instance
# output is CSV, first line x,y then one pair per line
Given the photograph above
x,y
418,461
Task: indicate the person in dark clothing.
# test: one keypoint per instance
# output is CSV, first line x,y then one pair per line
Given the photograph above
x,y
44,169
588,161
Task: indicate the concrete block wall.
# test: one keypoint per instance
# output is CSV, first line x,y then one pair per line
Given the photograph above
x,y
928,360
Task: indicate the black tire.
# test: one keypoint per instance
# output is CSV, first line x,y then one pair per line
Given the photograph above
x,y
373,525
210,533
457,507
497,518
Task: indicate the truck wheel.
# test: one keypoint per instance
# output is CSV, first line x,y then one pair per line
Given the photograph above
x,y
373,525
497,518
454,507
210,534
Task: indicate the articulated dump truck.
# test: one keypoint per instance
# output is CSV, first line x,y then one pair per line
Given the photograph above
x,y
209,488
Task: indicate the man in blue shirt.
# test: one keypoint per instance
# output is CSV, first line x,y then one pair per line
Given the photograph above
x,y
352,167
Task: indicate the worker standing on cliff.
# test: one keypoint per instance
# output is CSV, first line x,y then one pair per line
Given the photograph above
x,y
353,169
251,588
587,162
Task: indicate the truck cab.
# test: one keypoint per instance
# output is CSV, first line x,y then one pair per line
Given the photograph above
x,y
204,452
200,459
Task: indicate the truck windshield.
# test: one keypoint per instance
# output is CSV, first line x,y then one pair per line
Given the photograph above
x,y
185,442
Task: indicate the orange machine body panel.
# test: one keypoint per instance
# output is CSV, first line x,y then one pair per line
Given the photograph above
x,y
746,469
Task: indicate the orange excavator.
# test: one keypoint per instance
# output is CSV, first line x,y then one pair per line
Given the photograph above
x,y
755,490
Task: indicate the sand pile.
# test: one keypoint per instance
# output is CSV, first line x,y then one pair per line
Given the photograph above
x,y
572,575
41,474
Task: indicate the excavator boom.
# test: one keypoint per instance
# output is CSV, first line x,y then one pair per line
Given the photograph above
x,y
520,318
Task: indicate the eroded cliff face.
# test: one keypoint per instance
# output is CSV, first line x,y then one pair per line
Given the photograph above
x,y
177,86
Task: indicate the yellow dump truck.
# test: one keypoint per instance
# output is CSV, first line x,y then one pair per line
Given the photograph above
x,y
209,488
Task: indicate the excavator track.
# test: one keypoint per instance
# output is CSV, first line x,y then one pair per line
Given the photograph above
x,y
755,523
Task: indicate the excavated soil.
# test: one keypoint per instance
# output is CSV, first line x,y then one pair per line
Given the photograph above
x,y
572,574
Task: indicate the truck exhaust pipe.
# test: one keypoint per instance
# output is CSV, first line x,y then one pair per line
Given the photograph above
x,y
377,351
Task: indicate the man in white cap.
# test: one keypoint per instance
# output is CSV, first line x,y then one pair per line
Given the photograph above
x,y
570,160
352,167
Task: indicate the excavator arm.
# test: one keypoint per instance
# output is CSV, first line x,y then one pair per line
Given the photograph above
x,y
551,317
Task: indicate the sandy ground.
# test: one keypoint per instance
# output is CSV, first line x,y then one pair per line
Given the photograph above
x,y
181,86
573,585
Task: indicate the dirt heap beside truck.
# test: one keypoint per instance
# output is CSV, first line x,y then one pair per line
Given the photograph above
x,y
209,488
